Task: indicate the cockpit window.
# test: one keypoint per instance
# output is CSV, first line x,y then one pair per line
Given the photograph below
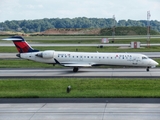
x,y
144,58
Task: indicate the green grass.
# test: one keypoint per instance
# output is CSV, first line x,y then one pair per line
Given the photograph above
x,y
81,88
85,49
96,41
21,63
87,39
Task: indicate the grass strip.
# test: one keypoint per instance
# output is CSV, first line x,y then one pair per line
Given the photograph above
x,y
80,88
22,63
85,49
95,41
87,39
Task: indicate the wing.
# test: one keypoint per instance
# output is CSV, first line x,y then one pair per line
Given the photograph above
x,y
75,64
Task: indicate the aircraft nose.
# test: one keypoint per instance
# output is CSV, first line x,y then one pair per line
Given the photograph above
x,y
154,63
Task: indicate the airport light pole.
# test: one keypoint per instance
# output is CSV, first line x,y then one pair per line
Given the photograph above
x,y
148,28
113,28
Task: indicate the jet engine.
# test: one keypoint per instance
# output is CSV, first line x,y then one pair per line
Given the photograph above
x,y
46,54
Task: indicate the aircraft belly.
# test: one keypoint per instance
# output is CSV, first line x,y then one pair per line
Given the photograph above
x,y
51,60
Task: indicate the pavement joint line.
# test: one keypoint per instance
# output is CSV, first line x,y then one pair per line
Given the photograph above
x,y
104,110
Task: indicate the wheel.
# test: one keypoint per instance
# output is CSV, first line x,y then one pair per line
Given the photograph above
x,y
75,69
147,69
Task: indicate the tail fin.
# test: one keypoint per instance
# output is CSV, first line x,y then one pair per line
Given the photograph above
x,y
21,45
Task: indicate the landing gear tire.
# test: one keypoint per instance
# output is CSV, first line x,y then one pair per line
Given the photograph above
x,y
147,69
75,69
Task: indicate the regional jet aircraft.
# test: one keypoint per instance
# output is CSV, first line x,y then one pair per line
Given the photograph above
x,y
80,59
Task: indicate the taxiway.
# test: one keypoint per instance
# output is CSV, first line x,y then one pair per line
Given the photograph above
x,y
82,73
79,111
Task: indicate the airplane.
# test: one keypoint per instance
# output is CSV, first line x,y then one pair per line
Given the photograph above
x,y
80,59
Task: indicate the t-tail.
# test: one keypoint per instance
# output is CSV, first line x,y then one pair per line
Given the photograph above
x,y
21,45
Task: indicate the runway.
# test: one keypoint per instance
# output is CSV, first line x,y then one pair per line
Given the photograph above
x,y
82,73
80,108
79,111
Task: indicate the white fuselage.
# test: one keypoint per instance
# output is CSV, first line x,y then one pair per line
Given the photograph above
x,y
83,59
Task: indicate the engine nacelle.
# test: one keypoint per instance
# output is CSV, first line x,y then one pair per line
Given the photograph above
x,y
46,54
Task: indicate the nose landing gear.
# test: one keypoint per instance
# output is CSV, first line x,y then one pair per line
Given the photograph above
x,y
147,69
75,69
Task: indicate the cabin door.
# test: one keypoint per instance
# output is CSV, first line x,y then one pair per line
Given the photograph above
x,y
136,61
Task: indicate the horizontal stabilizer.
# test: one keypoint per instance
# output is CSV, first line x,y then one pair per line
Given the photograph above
x,y
12,39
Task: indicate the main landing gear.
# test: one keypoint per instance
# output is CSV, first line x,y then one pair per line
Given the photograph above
x,y
75,69
147,69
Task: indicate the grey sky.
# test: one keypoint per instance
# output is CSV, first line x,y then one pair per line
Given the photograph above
x,y
39,9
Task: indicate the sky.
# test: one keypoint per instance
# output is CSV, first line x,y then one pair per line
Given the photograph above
x,y
39,9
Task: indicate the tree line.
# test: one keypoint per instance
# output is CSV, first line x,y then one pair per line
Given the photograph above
x,y
30,26
135,30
